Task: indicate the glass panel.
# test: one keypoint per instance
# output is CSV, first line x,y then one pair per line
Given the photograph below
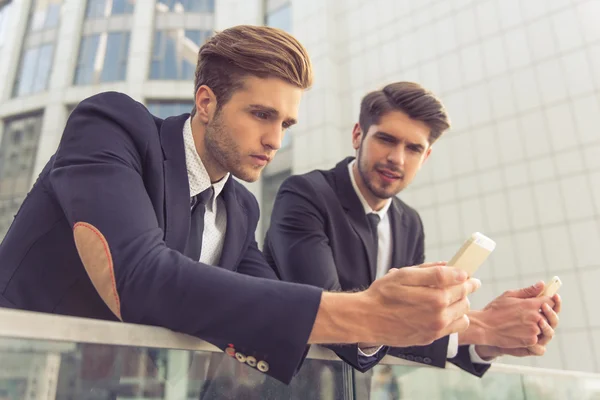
x,y
17,158
27,71
123,6
404,382
281,18
168,109
43,68
116,53
64,370
5,11
95,8
45,14
175,53
87,56
204,6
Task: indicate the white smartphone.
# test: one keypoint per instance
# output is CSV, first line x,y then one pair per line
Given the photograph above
x,y
552,287
473,253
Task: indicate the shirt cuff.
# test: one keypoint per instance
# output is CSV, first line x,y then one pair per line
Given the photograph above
x,y
452,345
475,357
368,351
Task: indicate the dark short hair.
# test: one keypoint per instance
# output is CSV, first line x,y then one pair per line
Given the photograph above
x,y
410,98
247,50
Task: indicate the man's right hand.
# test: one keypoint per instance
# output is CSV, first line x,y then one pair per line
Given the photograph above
x,y
407,307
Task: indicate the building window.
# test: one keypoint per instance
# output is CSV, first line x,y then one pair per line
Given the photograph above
x,y
200,6
106,8
45,14
34,71
164,109
17,157
102,58
5,10
175,53
279,14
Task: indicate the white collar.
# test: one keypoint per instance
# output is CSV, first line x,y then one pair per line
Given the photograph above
x,y
197,175
382,213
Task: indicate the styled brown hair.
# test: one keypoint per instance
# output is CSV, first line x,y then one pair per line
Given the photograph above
x,y
410,98
261,51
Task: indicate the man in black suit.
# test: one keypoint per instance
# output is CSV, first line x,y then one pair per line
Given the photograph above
x,y
139,219
344,228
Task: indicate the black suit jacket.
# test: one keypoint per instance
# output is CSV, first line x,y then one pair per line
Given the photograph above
x,y
319,234
120,174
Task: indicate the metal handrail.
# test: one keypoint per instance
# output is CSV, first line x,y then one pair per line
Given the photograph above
x,y
29,325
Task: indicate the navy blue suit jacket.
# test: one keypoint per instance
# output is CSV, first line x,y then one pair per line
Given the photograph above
x,y
119,178
320,235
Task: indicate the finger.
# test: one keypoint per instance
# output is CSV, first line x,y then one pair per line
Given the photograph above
x,y
547,333
527,292
432,264
537,350
457,326
457,310
550,315
436,276
557,303
457,292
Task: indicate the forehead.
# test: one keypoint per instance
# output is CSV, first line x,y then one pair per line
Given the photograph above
x,y
402,127
270,92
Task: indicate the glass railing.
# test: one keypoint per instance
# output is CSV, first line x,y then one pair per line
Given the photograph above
x,y
51,357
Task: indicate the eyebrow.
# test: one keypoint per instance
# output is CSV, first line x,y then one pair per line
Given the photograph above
x,y
396,140
273,111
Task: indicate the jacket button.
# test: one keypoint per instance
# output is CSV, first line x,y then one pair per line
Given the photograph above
x,y
240,357
230,351
410,357
262,366
251,361
427,360
419,359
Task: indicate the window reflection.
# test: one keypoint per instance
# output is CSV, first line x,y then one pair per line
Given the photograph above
x,y
35,70
200,6
102,58
106,8
165,109
17,157
175,53
45,14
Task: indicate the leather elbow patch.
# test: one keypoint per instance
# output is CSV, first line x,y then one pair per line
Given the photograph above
x,y
96,258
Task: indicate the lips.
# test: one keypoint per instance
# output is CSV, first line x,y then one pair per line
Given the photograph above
x,y
389,174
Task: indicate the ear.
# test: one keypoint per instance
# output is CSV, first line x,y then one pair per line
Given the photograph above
x,y
426,156
206,103
356,136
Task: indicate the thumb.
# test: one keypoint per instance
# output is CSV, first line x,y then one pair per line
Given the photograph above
x,y
528,292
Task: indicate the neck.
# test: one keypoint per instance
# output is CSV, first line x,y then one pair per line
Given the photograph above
x,y
373,201
215,170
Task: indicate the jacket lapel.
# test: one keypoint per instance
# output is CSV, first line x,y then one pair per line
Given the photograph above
x,y
355,213
237,227
399,232
177,189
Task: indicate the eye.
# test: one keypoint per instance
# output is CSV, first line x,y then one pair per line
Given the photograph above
x,y
261,114
286,125
414,149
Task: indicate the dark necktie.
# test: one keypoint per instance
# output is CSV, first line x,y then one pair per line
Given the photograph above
x,y
373,222
198,205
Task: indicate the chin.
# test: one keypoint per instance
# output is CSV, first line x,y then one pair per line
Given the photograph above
x,y
247,175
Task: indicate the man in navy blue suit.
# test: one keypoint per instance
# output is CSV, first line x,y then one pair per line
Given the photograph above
x,y
139,219
341,229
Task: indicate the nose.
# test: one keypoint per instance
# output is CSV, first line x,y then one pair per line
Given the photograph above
x,y
397,155
273,136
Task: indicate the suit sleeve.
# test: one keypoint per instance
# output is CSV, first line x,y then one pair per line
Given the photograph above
x,y
300,250
97,179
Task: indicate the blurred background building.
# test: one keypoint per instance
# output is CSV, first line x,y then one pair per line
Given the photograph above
x,y
520,78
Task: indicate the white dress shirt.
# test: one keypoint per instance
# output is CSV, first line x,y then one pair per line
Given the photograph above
x,y
215,217
384,260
